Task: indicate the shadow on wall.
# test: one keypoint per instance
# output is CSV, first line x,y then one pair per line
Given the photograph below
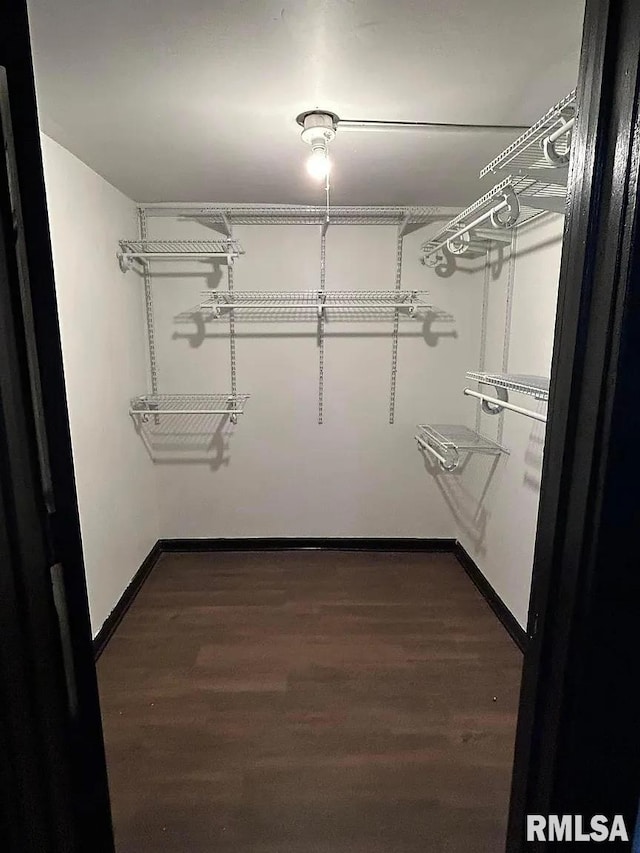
x,y
212,273
183,439
534,453
467,507
436,324
448,263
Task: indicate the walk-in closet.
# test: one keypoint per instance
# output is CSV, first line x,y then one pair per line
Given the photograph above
x,y
306,260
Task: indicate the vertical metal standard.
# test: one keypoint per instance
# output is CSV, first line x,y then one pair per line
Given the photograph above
x,y
507,320
323,280
148,307
232,328
148,304
396,327
482,361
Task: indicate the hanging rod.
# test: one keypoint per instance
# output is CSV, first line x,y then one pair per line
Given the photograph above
x,y
143,250
133,411
536,148
512,202
447,464
503,404
187,404
317,300
445,442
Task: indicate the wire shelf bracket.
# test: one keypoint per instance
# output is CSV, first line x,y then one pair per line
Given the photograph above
x,y
143,251
446,443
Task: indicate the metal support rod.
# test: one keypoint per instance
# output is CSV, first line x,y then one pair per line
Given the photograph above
x,y
321,305
473,224
478,220
484,326
144,413
321,320
565,127
503,404
370,125
508,312
173,255
148,302
232,333
446,464
396,328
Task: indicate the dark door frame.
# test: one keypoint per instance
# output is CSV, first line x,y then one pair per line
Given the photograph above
x,y
578,742
578,739
54,792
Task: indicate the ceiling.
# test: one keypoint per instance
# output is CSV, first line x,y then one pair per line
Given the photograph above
x,y
196,100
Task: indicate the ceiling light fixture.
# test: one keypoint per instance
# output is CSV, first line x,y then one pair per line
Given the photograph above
x,y
318,130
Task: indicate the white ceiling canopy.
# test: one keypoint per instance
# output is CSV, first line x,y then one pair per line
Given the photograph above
x,y
197,100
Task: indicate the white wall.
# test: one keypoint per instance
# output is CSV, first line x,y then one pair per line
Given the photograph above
x,y
101,322
498,509
278,473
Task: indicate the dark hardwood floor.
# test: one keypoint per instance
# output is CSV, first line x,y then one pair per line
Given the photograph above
x,y
309,702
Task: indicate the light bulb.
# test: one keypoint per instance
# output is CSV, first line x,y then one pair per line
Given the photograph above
x,y
319,165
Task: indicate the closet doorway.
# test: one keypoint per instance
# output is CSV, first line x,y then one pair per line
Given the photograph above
x,y
311,409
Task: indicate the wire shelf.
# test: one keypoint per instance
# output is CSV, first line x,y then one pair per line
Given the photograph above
x,y
296,214
552,133
534,386
513,202
317,301
146,250
445,442
187,404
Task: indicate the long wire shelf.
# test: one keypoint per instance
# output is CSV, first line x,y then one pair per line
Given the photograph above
x,y
146,250
493,404
187,404
225,215
514,201
446,442
545,145
318,301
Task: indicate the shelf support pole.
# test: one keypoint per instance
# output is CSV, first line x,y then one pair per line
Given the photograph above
x,y
396,328
148,305
505,404
321,321
232,328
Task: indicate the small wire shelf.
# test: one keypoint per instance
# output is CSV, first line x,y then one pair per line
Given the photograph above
x,y
446,442
534,386
513,202
187,404
316,301
146,250
494,404
545,145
